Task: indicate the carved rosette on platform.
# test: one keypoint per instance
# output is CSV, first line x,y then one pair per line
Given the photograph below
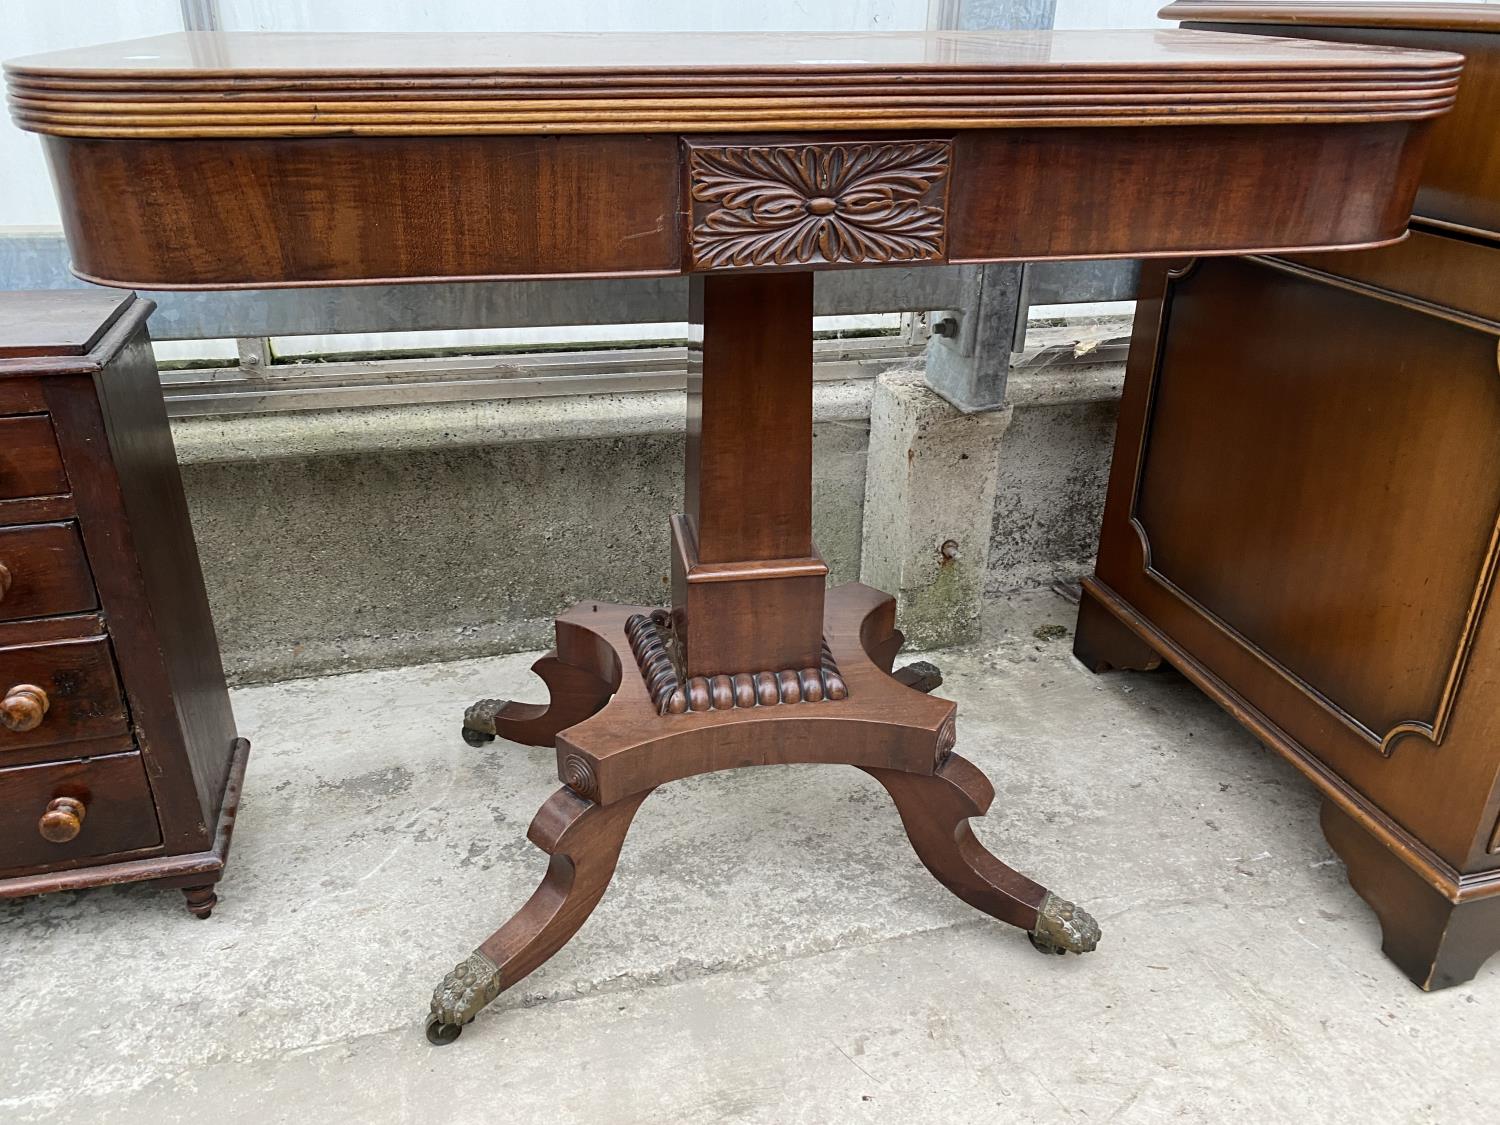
x,y
651,640
809,204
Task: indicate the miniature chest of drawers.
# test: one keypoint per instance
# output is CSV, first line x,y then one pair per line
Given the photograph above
x,y
119,760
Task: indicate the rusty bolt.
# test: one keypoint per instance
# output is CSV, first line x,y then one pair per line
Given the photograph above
x,y
949,550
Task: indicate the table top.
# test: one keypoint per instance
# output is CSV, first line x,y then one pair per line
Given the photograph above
x,y
228,84
248,159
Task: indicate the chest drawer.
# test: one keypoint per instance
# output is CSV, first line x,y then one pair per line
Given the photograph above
x,y
71,810
30,464
59,692
43,572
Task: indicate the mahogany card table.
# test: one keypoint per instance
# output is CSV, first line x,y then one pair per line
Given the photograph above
x,y
747,162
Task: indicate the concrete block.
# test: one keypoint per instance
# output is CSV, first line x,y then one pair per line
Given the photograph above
x,y
1053,473
929,507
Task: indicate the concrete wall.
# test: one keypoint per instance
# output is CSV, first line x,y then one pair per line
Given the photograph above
x,y
377,538
382,537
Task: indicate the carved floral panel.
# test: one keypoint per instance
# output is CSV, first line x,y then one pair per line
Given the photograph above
x,y
855,203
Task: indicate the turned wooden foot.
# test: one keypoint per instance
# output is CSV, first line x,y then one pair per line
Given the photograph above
x,y
200,900
584,841
575,691
936,809
1435,942
1102,643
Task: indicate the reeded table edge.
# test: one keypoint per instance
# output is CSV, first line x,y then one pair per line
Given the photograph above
x,y
1269,85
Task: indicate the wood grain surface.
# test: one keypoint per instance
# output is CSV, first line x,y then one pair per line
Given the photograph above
x,y
1304,517
1460,188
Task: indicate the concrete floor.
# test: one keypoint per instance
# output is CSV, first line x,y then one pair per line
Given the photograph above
x,y
771,951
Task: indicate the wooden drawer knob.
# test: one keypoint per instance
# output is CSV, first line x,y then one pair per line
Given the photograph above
x,y
63,820
4,581
24,708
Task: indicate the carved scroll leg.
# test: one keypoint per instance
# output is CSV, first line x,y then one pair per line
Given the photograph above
x,y
574,692
584,841
935,810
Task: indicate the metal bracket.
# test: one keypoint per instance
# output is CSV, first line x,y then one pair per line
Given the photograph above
x,y
968,356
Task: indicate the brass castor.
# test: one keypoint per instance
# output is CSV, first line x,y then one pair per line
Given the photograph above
x,y
440,1034
477,737
1040,944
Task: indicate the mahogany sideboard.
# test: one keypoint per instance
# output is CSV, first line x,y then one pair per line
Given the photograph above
x,y
1304,507
119,760
747,162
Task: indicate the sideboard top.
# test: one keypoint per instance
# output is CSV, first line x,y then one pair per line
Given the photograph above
x,y
1335,13
273,84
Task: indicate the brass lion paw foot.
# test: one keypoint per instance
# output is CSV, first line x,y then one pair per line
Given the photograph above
x,y
479,721
464,992
1062,927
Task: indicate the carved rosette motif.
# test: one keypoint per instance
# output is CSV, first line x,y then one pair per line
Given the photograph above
x,y
843,203
947,736
578,776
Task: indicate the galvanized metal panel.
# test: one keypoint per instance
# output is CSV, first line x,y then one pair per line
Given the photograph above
x,y
39,261
1066,283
